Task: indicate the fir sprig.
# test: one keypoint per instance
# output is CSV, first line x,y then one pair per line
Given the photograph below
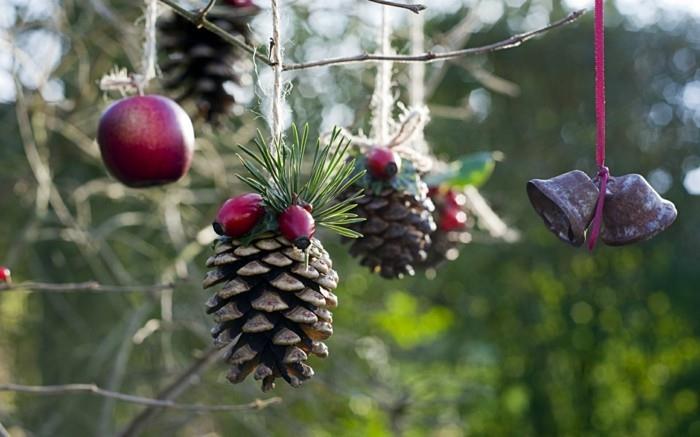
x,y
278,175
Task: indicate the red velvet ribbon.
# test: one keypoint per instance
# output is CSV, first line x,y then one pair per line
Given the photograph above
x,y
603,172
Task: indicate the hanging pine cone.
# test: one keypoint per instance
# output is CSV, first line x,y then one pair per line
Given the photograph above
x,y
273,306
278,281
452,226
396,233
200,64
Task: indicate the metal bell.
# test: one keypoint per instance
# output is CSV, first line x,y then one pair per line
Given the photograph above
x,y
634,211
566,203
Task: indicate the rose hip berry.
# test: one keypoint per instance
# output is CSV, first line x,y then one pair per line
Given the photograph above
x,y
452,218
239,215
297,225
146,141
383,163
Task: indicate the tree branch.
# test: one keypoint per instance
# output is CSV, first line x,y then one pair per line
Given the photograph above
x,y
199,19
69,389
90,286
415,8
202,15
181,384
511,42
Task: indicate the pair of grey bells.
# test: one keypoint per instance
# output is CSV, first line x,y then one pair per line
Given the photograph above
x,y
633,210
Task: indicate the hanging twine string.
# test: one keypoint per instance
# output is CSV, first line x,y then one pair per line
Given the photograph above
x,y
603,171
150,49
119,79
277,93
382,100
416,89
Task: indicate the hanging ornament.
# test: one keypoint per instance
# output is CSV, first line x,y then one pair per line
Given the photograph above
x,y
145,140
396,207
575,207
277,280
448,183
398,222
201,67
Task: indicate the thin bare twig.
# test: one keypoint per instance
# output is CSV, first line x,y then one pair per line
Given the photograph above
x,y
180,385
202,15
90,286
415,8
511,42
201,20
69,389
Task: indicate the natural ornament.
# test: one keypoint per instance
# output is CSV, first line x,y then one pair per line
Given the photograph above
x,y
146,141
277,280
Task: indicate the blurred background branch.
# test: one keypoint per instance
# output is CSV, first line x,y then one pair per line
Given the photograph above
x,y
70,389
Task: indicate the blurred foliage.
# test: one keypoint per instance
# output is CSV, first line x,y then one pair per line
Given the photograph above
x,y
532,338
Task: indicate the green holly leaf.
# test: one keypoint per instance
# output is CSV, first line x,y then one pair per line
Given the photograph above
x,y
470,170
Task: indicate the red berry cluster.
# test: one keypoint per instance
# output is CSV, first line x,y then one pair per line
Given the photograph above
x,y
450,209
239,215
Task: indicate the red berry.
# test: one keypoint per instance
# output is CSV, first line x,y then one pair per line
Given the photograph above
x,y
297,225
452,219
146,140
5,275
239,215
433,191
383,163
455,198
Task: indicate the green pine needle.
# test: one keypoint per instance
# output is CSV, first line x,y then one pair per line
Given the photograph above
x,y
282,178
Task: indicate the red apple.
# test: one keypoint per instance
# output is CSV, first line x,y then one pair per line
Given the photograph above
x,y
383,163
239,3
297,225
239,215
146,140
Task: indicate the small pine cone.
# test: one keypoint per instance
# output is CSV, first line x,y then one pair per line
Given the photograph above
x,y
272,308
200,64
396,231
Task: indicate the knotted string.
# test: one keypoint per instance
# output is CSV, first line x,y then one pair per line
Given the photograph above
x,y
603,172
277,94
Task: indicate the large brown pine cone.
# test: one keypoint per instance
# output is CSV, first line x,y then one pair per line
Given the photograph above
x,y
396,233
272,308
200,63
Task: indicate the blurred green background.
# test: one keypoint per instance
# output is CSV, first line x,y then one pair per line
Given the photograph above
x,y
532,338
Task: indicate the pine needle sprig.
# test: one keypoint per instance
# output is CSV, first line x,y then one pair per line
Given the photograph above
x,y
281,177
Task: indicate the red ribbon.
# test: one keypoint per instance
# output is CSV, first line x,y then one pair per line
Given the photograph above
x,y
603,172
